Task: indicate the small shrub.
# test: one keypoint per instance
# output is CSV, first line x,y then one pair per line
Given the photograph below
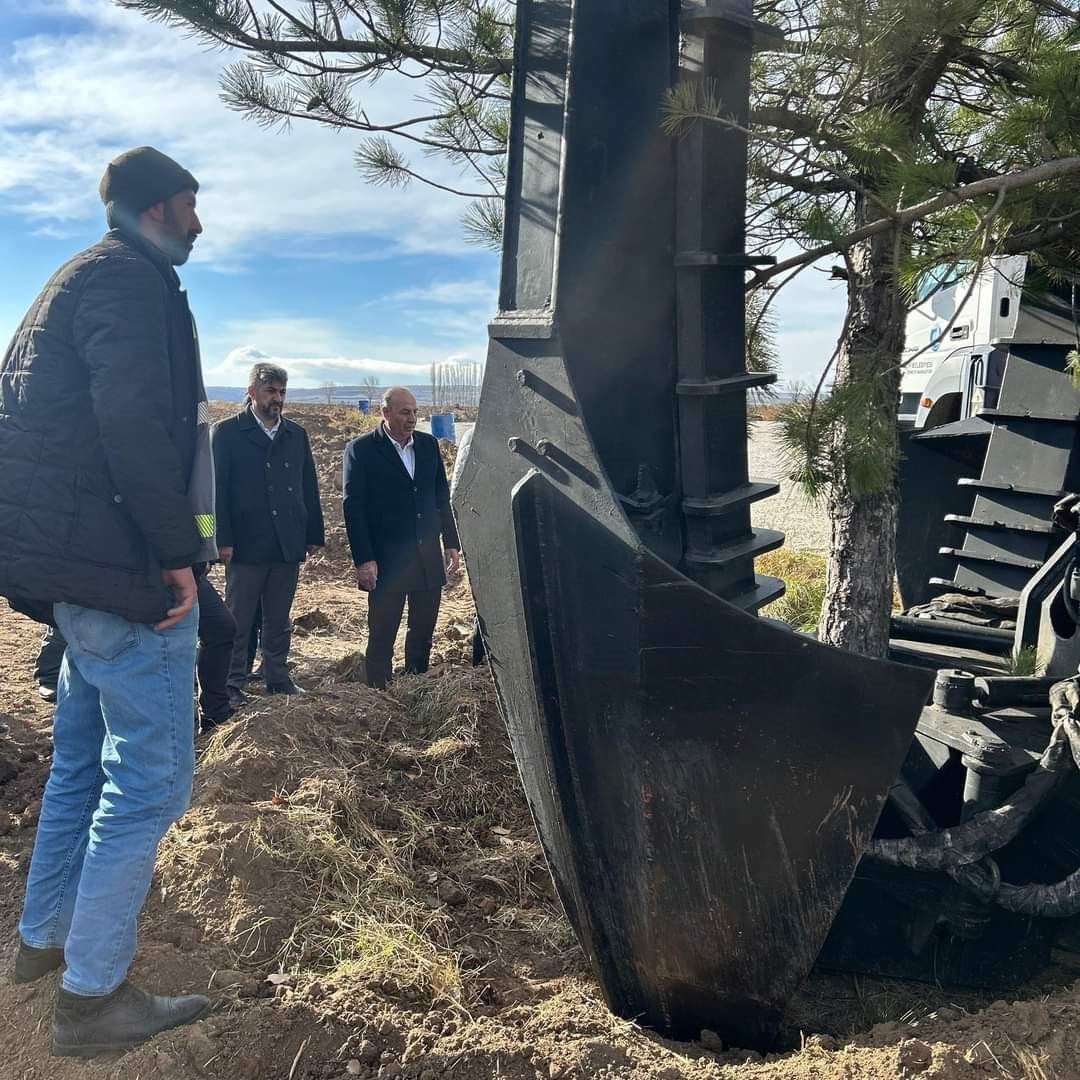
x,y
1024,662
804,573
365,422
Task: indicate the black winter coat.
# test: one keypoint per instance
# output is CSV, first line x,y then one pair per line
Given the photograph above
x,y
396,520
267,491
98,419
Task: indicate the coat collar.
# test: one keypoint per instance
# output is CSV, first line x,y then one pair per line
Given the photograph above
x,y
386,445
140,244
249,423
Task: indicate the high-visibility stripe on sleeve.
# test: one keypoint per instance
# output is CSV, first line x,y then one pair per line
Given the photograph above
x,y
205,525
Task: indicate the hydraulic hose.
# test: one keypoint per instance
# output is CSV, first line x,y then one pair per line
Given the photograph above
x,y
955,850
1068,601
1058,900
960,845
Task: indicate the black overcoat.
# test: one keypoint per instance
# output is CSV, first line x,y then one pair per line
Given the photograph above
x,y
267,491
98,415
394,519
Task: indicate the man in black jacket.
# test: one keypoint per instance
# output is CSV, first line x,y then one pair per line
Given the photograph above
x,y
269,520
105,506
397,514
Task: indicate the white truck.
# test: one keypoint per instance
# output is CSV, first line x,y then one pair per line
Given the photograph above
x,y
956,344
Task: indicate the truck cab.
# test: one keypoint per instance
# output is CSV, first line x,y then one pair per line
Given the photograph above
x,y
959,333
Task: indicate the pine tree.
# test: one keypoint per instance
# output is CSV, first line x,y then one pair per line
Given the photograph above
x,y
313,61
892,137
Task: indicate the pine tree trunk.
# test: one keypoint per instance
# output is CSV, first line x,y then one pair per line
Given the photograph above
x,y
862,541
859,572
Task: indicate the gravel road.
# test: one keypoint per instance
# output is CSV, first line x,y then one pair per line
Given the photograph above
x,y
804,522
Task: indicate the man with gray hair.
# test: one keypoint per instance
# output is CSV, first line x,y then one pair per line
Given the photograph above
x,y
401,533
269,520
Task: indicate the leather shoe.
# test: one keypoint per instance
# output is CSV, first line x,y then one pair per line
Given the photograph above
x,y
209,723
31,962
237,698
85,1026
284,688
47,693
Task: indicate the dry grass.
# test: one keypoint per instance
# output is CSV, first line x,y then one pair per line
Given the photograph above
x,y
366,917
1034,1065
386,821
447,712
804,574
361,423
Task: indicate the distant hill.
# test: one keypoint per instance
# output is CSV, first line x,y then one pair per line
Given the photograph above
x,y
346,395
349,395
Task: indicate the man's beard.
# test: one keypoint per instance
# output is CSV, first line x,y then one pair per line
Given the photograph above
x,y
176,244
178,250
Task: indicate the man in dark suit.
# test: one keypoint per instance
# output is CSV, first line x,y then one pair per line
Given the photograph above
x,y
269,519
401,532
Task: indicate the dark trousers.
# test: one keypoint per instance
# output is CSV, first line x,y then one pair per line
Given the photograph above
x,y
51,656
217,635
479,649
253,638
246,584
384,618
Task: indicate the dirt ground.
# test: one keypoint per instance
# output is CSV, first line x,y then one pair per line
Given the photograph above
x,y
359,885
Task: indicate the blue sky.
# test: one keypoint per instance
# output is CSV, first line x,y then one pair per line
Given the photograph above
x,y
300,260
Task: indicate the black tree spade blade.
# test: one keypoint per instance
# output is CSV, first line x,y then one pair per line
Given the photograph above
x,y
703,781
709,780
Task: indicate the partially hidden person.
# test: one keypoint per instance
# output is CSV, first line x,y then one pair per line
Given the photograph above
x,y
47,666
217,635
479,649
106,504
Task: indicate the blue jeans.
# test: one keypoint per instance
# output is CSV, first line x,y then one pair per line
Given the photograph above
x,y
123,760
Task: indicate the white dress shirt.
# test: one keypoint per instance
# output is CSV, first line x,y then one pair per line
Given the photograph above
x,y
269,432
407,453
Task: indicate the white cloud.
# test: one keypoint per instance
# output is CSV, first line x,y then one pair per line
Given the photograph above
x,y
474,292
809,313
315,350
284,335
314,370
68,103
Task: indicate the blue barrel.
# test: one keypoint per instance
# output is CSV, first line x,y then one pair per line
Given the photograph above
x,y
363,405
442,426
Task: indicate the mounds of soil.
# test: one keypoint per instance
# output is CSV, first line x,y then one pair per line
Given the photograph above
x,y
311,622
380,839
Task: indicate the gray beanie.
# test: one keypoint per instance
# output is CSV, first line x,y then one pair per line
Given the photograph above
x,y
141,178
